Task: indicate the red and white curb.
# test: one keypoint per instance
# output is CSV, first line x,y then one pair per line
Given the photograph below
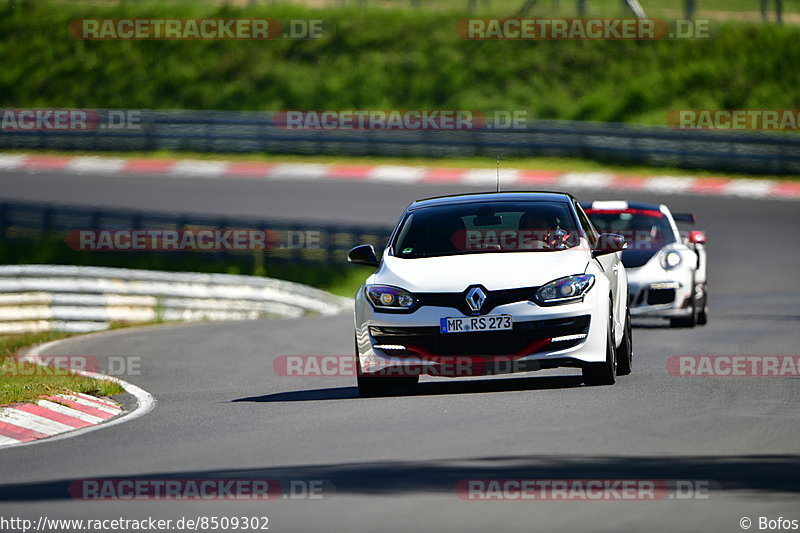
x,y
52,415
67,415
405,175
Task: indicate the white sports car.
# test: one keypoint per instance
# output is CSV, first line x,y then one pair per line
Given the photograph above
x,y
666,271
489,283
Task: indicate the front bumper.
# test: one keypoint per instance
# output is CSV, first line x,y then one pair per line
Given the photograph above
x,y
660,293
542,337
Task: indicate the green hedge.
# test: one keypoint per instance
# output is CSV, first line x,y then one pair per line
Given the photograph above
x,y
379,59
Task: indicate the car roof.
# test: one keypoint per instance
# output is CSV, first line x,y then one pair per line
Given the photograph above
x,y
516,196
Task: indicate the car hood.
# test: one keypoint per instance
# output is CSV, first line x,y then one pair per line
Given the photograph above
x,y
637,258
495,271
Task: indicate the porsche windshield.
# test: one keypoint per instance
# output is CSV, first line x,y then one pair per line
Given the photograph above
x,y
487,227
644,228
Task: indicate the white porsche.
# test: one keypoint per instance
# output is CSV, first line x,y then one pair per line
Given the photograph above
x,y
666,269
489,283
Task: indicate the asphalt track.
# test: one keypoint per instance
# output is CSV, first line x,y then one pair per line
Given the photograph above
x,y
223,412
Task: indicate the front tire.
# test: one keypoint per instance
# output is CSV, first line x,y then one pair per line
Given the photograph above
x,y
374,385
603,373
370,386
625,353
702,316
687,321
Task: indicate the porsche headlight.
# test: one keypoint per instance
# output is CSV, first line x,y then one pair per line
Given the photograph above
x,y
670,259
390,298
564,290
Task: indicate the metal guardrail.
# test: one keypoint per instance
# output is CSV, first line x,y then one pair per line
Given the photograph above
x,y
20,220
81,299
228,131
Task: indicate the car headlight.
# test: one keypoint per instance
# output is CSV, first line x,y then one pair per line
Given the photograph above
x,y
564,290
670,259
390,298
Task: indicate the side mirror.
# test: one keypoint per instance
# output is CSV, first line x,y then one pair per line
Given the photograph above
x,y
363,255
609,243
697,237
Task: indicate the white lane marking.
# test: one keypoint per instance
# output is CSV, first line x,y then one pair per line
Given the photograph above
x,y
588,180
199,168
32,421
396,174
11,162
69,411
749,188
488,177
668,184
89,403
96,165
298,171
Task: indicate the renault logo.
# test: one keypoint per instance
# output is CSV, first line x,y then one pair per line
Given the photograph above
x,y
475,298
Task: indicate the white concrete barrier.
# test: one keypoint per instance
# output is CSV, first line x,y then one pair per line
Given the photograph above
x,y
71,298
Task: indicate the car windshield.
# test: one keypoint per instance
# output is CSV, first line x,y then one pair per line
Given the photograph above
x,y
487,227
643,229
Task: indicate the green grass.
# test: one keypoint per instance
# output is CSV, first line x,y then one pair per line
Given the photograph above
x,y
347,283
25,382
384,59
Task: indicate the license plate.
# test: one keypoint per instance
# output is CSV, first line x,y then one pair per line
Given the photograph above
x,y
477,323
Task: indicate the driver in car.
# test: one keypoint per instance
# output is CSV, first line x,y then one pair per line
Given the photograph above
x,y
538,232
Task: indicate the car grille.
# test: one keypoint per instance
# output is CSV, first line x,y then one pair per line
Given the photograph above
x,y
660,296
527,337
458,300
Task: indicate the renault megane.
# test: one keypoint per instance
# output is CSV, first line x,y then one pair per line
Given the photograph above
x,y
490,283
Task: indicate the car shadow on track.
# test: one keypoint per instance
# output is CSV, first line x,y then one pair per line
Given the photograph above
x,y
429,388
723,473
